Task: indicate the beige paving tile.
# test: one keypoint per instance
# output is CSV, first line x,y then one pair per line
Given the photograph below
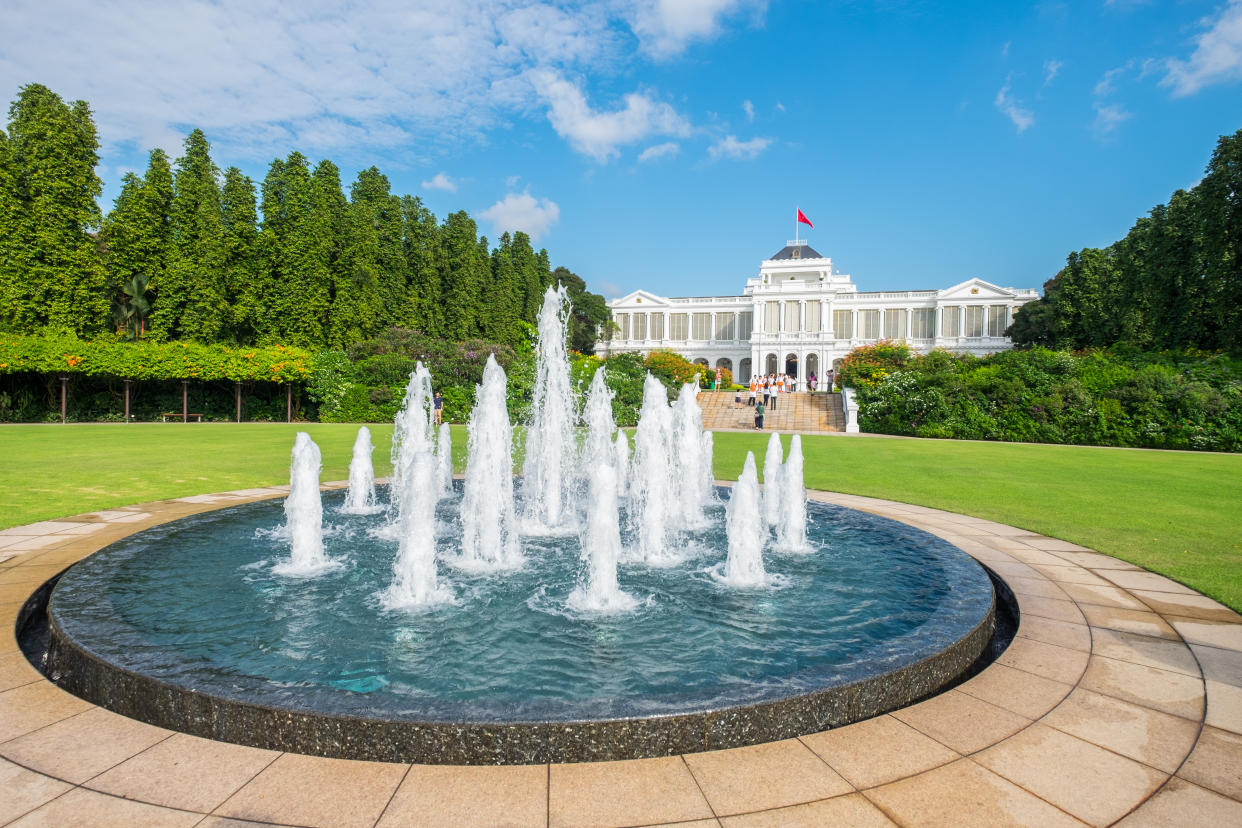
x,y
693,823
965,795
1037,587
221,822
1183,804
22,790
32,706
447,795
878,751
1219,664
45,527
36,542
632,792
15,671
1013,570
1175,693
1056,545
83,807
961,722
1104,596
1049,608
15,593
83,746
853,810
1148,736
1095,561
184,772
1060,633
1187,606
1224,705
1048,660
1024,693
1142,622
1142,579
1071,574
1216,762
1225,635
1141,649
1093,784
314,791
1030,556
759,777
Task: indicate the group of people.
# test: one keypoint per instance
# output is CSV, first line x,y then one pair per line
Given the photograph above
x,y
764,393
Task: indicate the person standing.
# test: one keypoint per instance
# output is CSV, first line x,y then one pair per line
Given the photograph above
x,y
438,406
776,392
751,400
759,416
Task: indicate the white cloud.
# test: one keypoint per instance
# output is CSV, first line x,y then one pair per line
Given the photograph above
x,y
1023,119
1107,118
1051,69
523,212
1217,57
1107,85
611,290
666,27
441,182
599,134
1005,48
730,147
749,109
666,150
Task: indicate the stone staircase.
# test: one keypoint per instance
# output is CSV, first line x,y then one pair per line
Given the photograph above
x,y
794,412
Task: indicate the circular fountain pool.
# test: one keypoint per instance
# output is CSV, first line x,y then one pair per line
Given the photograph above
x,y
185,625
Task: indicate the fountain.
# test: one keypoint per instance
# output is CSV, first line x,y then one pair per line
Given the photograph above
x,y
745,529
360,499
444,459
451,630
547,471
304,513
772,481
488,518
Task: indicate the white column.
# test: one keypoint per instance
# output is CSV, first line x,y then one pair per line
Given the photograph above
x,y
961,321
781,323
854,323
825,319
909,319
801,318
711,335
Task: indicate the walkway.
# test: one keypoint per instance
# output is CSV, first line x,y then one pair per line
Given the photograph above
x,y
1120,701
795,413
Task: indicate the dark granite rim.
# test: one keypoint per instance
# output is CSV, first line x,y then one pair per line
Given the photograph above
x,y
163,704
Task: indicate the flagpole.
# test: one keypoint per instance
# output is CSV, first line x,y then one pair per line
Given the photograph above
x,y
796,211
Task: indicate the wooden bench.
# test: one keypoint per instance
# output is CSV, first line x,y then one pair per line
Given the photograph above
x,y
177,415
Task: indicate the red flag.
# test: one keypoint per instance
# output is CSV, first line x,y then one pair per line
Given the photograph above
x,y
804,220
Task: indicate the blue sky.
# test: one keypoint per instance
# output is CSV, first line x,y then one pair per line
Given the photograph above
x,y
664,144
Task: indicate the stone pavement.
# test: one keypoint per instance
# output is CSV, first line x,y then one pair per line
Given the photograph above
x,y
1119,702
795,413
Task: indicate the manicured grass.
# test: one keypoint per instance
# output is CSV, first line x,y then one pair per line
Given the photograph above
x,y
1178,513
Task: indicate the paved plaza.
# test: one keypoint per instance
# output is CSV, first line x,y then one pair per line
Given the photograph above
x,y
1119,702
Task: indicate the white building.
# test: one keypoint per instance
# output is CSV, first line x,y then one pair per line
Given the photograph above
x,y
800,315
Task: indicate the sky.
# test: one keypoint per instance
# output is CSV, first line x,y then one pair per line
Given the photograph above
x,y
666,144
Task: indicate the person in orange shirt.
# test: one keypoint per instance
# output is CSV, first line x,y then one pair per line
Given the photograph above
x,y
753,386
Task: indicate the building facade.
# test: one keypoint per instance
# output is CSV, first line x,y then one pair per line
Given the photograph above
x,y
802,316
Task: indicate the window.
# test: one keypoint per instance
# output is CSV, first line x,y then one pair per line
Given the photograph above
x,y
843,324
623,325
657,326
679,326
640,326
812,316
869,324
923,323
998,320
745,324
974,320
895,323
702,326
725,326
771,317
792,314
951,320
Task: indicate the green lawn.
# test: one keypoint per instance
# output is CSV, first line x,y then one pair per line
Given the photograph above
x,y
1178,513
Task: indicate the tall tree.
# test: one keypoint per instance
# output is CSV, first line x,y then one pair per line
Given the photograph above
x,y
53,277
137,231
465,277
246,282
298,244
424,255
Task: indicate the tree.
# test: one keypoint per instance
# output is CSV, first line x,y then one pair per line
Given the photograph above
x,y
52,275
423,251
246,282
464,277
136,239
297,243
588,311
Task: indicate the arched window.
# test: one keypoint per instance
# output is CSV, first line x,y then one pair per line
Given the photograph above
x,y
770,368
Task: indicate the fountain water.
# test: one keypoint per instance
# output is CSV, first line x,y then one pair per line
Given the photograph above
x,y
547,471
601,547
304,513
622,457
597,414
653,503
411,434
694,459
746,531
360,499
772,481
791,531
488,518
414,582
444,459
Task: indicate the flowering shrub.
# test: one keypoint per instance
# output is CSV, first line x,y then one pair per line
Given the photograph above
x,y
870,364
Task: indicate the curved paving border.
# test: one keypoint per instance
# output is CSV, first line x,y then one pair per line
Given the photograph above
x,y
1119,700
